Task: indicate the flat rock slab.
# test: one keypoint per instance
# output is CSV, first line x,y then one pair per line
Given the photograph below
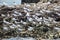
x,y
27,39
20,38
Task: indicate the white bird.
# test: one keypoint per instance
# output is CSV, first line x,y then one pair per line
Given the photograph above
x,y
19,29
57,28
39,19
8,15
21,21
17,22
20,14
27,5
30,28
34,22
14,19
24,23
14,25
41,12
11,27
30,19
29,10
40,23
2,15
27,14
6,22
37,14
36,17
15,12
48,3
5,28
19,25
48,11
56,9
14,15
25,8
34,5
58,13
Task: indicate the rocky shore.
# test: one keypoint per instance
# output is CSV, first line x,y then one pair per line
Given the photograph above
x,y
40,20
